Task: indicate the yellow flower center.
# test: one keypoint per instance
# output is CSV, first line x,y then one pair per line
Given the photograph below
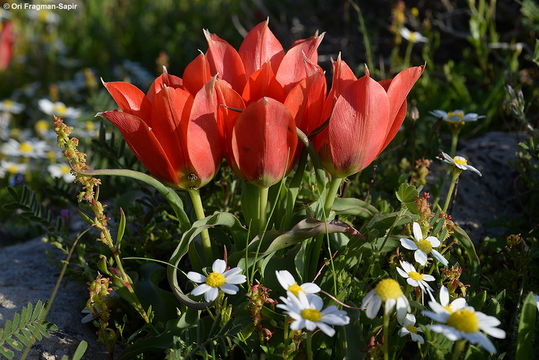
x,y
12,169
8,104
51,156
388,289
448,308
64,169
412,329
311,314
295,289
26,147
424,245
43,15
415,276
59,109
464,320
413,37
458,114
460,160
42,126
89,126
215,280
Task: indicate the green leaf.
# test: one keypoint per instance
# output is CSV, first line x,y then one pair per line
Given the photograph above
x,y
168,193
81,349
121,229
407,195
352,206
467,244
218,219
526,329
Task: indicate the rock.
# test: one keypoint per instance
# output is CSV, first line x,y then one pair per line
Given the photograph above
x,y
28,275
484,205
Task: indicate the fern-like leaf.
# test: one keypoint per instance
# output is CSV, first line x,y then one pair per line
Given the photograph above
x,y
24,330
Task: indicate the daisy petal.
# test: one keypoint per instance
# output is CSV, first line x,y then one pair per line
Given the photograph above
x,y
328,330
408,244
420,257
433,241
418,235
211,294
310,288
229,289
285,278
199,290
196,277
219,266
439,257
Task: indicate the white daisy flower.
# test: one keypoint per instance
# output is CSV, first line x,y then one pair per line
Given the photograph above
x,y
459,162
11,106
414,278
88,129
409,328
306,310
444,305
456,116
218,279
61,171
423,247
466,323
11,168
412,36
389,292
58,108
288,282
44,15
32,148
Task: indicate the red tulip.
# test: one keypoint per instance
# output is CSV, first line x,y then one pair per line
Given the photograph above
x,y
7,38
365,118
263,142
173,133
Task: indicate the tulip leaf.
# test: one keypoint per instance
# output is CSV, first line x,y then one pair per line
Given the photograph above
x,y
352,206
467,244
218,219
526,329
170,195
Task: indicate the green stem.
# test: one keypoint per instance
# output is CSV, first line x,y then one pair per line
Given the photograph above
x,y
408,54
386,336
457,349
309,346
262,206
331,194
454,142
199,212
286,337
454,178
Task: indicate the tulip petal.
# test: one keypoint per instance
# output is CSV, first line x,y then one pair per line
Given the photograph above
x,y
128,97
397,90
202,138
263,142
259,47
292,68
357,127
342,77
226,61
231,106
196,74
142,140
263,83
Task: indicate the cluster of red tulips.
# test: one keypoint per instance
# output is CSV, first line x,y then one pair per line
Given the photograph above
x,y
245,105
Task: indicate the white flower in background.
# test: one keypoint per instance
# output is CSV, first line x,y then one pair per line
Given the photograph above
x,y
466,323
31,148
457,116
537,301
44,15
218,279
288,282
389,292
58,108
306,310
88,129
444,304
61,171
11,168
414,278
11,106
458,162
412,36
423,247
409,328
